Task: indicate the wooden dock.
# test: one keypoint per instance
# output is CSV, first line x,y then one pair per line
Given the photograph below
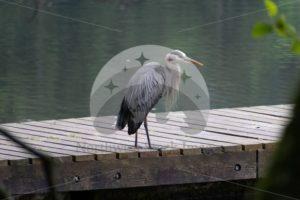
x,y
236,144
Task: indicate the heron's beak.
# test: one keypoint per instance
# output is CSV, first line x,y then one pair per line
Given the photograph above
x,y
195,62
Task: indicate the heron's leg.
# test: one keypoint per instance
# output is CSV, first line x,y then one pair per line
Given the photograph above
x,y
136,139
146,128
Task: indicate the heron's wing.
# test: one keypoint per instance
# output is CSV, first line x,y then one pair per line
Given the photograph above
x,y
145,89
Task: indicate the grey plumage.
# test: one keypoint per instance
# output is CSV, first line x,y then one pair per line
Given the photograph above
x,y
145,88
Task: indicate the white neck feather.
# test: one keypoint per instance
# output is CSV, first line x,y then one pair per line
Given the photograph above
x,y
172,83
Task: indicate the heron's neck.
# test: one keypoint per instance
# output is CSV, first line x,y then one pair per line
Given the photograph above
x,y
172,84
173,76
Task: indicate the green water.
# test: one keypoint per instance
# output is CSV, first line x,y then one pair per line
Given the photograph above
x,y
48,64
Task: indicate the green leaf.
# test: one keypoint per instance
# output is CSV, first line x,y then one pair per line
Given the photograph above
x,y
296,46
283,28
261,29
271,8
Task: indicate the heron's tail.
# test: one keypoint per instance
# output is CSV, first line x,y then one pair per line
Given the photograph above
x,y
123,116
133,126
126,117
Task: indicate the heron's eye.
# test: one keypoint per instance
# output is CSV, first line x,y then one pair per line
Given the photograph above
x,y
170,59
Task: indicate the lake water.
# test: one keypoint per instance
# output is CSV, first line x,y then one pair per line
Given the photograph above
x,y
48,63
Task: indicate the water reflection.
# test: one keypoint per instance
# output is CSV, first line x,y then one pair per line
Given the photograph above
x,y
48,65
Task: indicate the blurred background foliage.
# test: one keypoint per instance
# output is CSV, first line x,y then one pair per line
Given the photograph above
x,y
282,179
277,23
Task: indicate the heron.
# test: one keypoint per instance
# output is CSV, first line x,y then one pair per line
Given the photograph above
x,y
146,87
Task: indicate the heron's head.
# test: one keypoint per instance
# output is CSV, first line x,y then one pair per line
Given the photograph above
x,y
176,56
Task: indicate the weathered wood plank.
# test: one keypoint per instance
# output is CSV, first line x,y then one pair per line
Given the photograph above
x,y
161,132
211,151
11,151
242,124
224,132
56,150
172,136
19,162
190,151
252,114
225,129
190,125
107,156
173,143
3,162
285,106
44,143
66,139
4,158
252,117
277,110
236,144
260,111
264,158
120,173
169,152
214,123
270,146
147,154
56,159
118,138
127,155
80,158
227,117
232,148
252,147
